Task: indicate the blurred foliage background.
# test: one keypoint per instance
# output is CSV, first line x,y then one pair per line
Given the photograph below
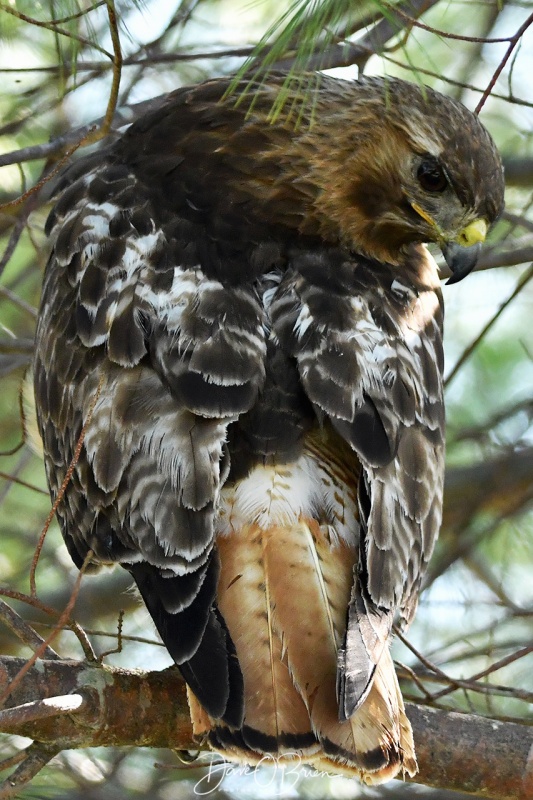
x,y
60,65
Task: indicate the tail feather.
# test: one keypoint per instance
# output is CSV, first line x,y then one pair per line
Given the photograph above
x,y
312,616
277,711
394,752
323,573
381,732
284,593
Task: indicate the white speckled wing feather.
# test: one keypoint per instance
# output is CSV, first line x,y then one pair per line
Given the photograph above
x,y
371,360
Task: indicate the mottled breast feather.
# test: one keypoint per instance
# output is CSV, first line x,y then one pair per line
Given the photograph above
x,y
240,319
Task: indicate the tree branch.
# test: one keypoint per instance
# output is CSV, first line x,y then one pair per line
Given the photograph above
x,y
496,486
111,706
518,170
120,708
473,754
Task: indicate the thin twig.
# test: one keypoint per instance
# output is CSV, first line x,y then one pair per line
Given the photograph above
x,y
136,61
454,82
524,279
14,449
502,690
486,650
514,40
18,301
71,625
477,565
23,461
37,756
23,631
117,71
119,637
51,26
62,706
487,426
408,672
78,15
111,634
415,23
86,139
12,761
425,661
455,684
84,641
14,238
34,602
61,622
7,477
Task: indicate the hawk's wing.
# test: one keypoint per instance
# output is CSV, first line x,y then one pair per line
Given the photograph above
x,y
160,358
369,352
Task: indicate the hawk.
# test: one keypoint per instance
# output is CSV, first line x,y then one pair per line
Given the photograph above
x,y
242,322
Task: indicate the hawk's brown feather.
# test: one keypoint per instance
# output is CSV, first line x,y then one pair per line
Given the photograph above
x,y
250,295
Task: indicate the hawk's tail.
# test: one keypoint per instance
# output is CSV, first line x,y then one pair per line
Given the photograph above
x,y
283,593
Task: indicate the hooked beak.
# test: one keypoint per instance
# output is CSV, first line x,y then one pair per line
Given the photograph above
x,y
461,260
462,254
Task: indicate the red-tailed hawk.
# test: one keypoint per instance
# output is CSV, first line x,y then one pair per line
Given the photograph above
x,y
247,289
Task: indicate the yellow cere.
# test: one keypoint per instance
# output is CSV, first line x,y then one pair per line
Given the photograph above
x,y
474,233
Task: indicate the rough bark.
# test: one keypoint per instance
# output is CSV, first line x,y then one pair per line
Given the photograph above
x,y
147,709
473,754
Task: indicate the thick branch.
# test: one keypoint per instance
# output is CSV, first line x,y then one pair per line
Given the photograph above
x,y
456,751
498,486
473,754
518,171
120,708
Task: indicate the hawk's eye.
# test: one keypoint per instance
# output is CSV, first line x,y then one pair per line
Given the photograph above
x,y
431,177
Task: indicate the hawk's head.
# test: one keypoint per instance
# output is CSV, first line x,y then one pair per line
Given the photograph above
x,y
398,164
